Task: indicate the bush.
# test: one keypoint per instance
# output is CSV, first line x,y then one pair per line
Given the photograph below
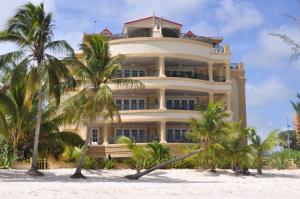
x,y
282,160
6,155
71,154
108,163
89,163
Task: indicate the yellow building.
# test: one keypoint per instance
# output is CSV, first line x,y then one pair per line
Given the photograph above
x,y
181,73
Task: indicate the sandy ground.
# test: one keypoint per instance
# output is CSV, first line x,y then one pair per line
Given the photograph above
x,y
159,184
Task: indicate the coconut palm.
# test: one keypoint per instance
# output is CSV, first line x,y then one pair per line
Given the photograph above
x,y
238,152
31,28
97,71
140,155
262,147
296,106
17,125
158,152
208,132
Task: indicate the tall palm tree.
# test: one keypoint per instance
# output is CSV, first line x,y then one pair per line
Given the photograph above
x,y
31,28
262,147
97,71
207,132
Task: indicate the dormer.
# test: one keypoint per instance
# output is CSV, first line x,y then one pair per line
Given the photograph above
x,y
152,27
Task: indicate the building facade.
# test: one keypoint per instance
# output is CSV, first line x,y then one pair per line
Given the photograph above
x,y
182,72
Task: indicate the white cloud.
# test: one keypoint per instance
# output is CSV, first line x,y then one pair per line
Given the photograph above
x,y
268,91
229,17
270,52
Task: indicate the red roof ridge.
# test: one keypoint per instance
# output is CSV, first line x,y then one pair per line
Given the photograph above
x,y
155,18
106,31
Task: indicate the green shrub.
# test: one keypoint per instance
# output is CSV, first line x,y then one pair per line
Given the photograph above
x,y
6,155
71,154
282,159
108,163
89,163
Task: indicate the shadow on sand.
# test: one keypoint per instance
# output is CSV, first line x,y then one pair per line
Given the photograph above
x,y
159,176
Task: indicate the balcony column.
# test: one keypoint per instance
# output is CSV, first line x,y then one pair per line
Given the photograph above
x,y
210,72
163,136
162,99
210,97
228,101
227,71
105,134
161,65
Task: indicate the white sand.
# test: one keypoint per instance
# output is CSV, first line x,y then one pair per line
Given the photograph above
x,y
159,184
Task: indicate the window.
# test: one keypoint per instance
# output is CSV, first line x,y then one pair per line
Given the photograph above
x,y
177,135
134,73
170,135
142,73
169,104
126,132
133,104
119,73
127,73
95,136
126,104
141,104
118,134
119,104
176,104
191,105
184,105
142,137
134,134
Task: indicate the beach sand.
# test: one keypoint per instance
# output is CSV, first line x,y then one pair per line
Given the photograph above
x,y
283,184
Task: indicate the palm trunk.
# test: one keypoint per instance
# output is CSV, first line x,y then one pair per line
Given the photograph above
x,y
162,165
297,127
84,149
34,167
259,170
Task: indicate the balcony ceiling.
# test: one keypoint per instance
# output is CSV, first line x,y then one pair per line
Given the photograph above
x,y
172,61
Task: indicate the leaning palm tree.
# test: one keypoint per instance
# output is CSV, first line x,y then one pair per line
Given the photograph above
x,y
262,147
204,132
97,71
31,28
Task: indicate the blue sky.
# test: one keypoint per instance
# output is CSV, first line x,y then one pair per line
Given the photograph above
x,y
245,24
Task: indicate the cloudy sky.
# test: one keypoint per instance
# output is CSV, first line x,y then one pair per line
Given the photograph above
x,y
272,81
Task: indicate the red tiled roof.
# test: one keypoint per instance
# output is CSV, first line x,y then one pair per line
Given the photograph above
x,y
106,32
155,18
189,33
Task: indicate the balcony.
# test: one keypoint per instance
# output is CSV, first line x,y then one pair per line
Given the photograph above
x,y
187,74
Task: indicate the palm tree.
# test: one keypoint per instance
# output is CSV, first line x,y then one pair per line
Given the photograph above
x,y
97,71
262,147
18,125
140,155
31,28
237,150
208,132
296,106
158,152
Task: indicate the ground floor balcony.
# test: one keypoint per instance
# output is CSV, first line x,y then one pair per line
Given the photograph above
x,y
140,132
